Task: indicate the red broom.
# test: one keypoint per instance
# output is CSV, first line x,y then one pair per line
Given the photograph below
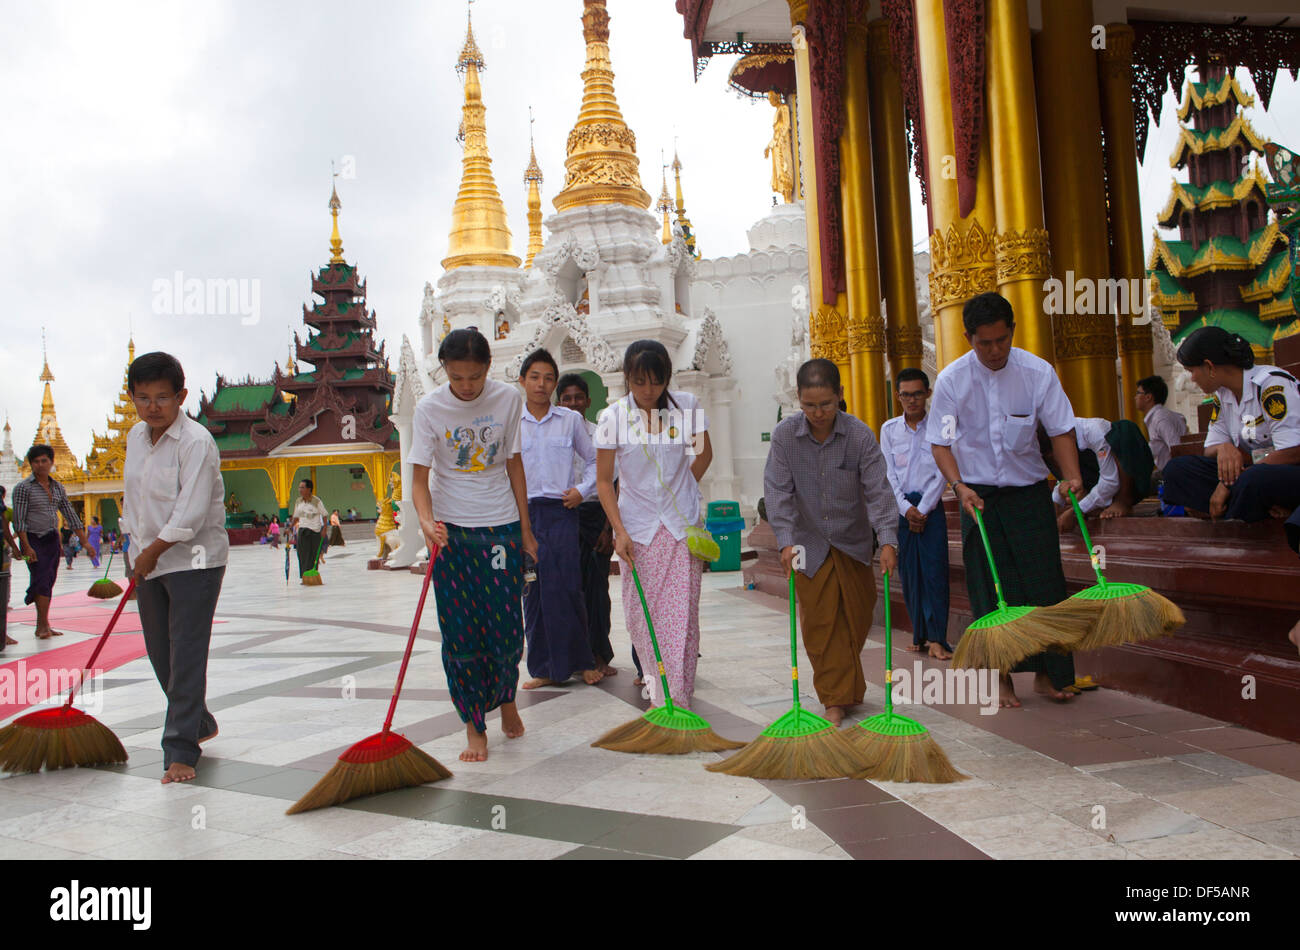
x,y
58,738
386,760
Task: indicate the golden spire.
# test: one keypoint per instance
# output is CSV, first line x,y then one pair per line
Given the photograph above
x,y
665,205
336,241
479,232
533,178
682,220
47,430
602,167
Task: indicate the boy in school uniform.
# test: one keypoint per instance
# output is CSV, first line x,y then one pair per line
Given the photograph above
x,y
555,611
175,513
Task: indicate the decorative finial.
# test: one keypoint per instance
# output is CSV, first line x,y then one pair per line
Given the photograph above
x,y
534,171
336,240
46,375
470,55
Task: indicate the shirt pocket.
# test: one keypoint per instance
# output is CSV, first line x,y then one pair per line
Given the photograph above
x,y
900,459
1021,432
166,485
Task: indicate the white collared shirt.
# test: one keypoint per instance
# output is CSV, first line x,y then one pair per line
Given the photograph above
x,y
648,497
1165,429
1268,416
550,445
991,418
173,492
311,514
1091,434
910,464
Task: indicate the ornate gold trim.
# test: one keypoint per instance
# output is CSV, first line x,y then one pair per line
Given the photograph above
x,y
1023,254
962,264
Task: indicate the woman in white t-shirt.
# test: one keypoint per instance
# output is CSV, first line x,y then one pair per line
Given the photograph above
x,y
467,431
660,441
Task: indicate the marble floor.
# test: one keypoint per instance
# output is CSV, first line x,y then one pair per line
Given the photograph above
x,y
297,674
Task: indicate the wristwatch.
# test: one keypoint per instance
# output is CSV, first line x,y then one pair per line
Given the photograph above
x,y
953,485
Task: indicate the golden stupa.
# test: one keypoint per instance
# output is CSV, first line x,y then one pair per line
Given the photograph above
x,y
48,433
479,232
533,179
106,459
601,167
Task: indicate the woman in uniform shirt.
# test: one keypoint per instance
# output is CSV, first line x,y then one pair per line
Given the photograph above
x,y
1251,465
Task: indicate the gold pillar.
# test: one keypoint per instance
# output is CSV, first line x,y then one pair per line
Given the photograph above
x,y
1069,125
893,203
1022,248
1126,259
962,262
866,328
827,331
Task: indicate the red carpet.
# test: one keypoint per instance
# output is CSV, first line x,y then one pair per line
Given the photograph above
x,y
23,682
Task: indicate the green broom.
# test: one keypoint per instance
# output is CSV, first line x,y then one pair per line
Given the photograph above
x,y
311,577
104,589
1114,613
666,729
898,749
1006,635
800,744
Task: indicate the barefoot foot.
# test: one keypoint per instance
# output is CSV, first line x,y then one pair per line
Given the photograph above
x,y
592,677
538,681
1007,692
939,652
915,648
835,714
178,772
608,670
1294,635
511,724
475,746
1043,686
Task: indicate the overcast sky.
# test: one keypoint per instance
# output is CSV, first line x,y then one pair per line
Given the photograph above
x,y
147,138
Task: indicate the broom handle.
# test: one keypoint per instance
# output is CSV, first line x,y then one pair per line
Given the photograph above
x,y
410,640
794,656
1087,539
110,565
99,647
654,641
889,653
988,549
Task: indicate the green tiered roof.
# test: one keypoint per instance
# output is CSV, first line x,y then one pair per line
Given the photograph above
x,y
1245,324
242,398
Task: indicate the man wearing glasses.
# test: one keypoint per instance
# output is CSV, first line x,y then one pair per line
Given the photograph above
x,y
922,526
175,512
825,491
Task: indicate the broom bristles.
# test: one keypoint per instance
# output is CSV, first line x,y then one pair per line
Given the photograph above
x,y
28,748
346,780
1140,615
642,736
312,578
1002,646
825,754
902,758
104,589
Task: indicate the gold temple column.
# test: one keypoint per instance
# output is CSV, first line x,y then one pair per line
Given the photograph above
x,y
870,400
1126,259
893,203
1069,124
827,332
1022,248
962,262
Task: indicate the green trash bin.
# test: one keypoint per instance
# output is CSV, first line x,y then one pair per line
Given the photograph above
x,y
723,521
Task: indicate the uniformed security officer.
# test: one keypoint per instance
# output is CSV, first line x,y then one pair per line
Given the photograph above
x,y
1251,465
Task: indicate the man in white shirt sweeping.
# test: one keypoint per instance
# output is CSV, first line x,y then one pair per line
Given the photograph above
x,y
175,512
983,427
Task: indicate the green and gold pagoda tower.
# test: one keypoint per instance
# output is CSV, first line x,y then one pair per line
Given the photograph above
x,y
1229,266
